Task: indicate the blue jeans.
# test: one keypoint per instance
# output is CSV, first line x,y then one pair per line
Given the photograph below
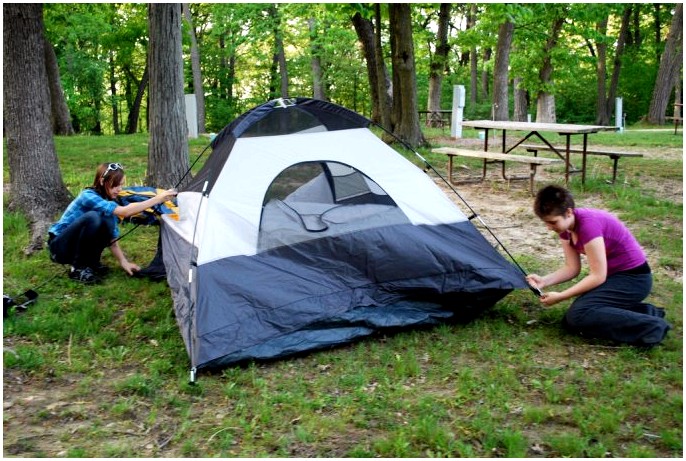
x,y
82,242
615,310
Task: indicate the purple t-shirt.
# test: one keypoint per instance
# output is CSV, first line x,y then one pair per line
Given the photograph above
x,y
621,248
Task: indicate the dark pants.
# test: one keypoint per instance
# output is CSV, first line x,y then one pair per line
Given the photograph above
x,y
615,311
81,243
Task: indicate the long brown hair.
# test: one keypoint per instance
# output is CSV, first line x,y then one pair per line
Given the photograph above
x,y
107,176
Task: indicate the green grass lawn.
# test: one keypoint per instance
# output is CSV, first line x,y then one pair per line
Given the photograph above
x,y
102,371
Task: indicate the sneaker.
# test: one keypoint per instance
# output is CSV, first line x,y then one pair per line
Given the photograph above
x,y
84,275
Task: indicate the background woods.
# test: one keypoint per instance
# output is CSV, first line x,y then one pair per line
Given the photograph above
x,y
569,61
124,68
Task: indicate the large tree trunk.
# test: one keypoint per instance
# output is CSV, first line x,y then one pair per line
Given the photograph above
x,y
501,75
318,91
168,149
197,74
438,64
36,186
61,120
365,34
406,124
135,111
521,102
671,62
545,105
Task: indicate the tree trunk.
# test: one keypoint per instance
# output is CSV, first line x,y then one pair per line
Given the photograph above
x,y
135,111
316,62
473,60
485,79
279,69
439,63
521,102
365,34
619,52
602,116
61,120
501,75
168,149
383,80
670,67
405,108
545,105
197,74
113,91
36,186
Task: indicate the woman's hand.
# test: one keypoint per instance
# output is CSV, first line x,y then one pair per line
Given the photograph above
x,y
551,297
535,281
166,195
129,267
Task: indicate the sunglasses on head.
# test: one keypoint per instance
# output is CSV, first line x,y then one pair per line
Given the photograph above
x,y
112,167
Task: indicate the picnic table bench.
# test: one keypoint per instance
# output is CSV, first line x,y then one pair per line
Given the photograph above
x,y
615,156
494,157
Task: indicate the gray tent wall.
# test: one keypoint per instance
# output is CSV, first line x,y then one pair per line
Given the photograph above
x,y
366,243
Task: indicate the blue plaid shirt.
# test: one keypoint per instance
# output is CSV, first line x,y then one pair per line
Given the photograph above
x,y
88,200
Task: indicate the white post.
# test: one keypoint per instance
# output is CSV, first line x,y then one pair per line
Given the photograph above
x,y
191,115
458,109
618,115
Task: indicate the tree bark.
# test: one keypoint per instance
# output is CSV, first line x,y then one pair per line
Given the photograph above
x,y
365,34
545,104
473,60
135,111
113,92
61,119
602,117
383,80
521,102
671,62
318,91
616,70
501,75
279,69
405,108
168,149
197,74
36,186
438,63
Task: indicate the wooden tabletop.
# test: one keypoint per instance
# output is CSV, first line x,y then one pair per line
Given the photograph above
x,y
532,126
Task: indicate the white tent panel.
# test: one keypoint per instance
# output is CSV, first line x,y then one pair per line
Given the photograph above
x,y
235,203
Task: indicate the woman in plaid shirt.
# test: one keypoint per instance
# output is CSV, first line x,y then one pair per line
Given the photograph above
x,y
91,222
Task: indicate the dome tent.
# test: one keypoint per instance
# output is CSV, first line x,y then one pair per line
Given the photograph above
x,y
304,230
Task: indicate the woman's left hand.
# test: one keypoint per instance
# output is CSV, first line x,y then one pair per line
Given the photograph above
x,y
129,267
551,297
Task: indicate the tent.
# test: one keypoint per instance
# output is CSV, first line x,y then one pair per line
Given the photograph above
x,y
303,230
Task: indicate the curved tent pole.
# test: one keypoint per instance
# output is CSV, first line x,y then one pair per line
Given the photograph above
x,y
428,166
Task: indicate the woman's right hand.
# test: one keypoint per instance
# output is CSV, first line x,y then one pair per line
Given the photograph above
x,y
535,281
166,195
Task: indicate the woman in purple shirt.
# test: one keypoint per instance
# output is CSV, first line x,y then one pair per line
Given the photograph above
x,y
91,223
609,303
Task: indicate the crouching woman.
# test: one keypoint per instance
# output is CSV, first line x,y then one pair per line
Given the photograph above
x,y
91,223
609,300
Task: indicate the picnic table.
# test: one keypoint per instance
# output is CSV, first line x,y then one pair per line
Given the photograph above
x,y
533,129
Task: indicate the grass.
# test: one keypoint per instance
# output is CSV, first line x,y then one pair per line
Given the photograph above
x,y
102,371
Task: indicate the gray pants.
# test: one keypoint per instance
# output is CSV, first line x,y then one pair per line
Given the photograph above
x,y
615,310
